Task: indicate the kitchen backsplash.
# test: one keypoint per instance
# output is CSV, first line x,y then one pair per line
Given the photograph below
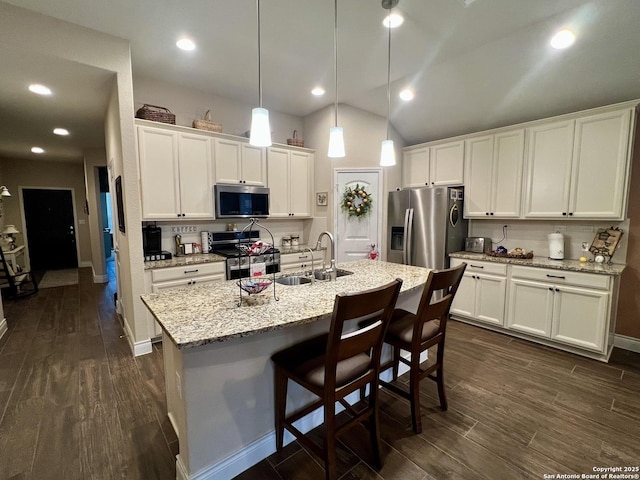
x,y
305,229
532,235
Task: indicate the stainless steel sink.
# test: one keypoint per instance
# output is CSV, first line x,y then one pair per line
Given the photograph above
x,y
325,275
293,280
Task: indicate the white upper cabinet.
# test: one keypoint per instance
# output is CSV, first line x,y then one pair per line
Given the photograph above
x,y
175,174
599,177
493,175
447,164
549,169
579,168
289,181
415,167
441,164
239,162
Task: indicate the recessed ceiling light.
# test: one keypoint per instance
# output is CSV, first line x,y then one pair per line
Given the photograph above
x,y
392,21
37,150
61,131
318,91
186,44
39,89
406,94
563,39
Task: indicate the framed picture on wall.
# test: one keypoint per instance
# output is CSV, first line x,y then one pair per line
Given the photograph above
x,y
120,204
321,199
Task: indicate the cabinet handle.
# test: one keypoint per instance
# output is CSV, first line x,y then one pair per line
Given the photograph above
x,y
555,276
303,256
475,266
191,271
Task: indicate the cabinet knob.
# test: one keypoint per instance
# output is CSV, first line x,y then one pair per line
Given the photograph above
x,y
564,213
426,183
486,213
491,213
570,213
557,289
550,289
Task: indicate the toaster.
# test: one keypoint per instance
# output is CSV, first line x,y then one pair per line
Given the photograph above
x,y
477,244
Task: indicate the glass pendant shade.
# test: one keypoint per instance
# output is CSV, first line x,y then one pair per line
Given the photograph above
x,y
387,154
336,143
260,129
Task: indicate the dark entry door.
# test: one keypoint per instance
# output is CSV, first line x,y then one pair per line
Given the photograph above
x,y
50,228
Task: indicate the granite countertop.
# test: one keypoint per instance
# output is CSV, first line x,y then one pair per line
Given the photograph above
x,y
544,262
203,314
184,260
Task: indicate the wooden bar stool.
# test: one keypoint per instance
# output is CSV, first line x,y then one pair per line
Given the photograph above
x,y
417,332
334,365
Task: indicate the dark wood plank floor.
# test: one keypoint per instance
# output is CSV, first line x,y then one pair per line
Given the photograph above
x,y
75,404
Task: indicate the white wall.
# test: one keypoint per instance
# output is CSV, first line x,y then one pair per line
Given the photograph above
x,y
532,235
188,105
93,159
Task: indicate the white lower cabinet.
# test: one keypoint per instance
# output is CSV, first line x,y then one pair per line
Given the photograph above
x,y
571,310
296,262
482,292
162,279
567,307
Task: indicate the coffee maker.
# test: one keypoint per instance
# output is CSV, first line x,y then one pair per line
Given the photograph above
x,y
152,243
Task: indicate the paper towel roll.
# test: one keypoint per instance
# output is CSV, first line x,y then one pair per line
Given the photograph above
x,y
207,241
556,246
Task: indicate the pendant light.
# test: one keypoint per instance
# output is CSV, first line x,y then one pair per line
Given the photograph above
x,y
387,152
336,135
260,130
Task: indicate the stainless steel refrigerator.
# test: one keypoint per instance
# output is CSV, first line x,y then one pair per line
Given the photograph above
x,y
425,225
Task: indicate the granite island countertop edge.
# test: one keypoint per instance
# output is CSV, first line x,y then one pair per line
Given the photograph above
x,y
204,314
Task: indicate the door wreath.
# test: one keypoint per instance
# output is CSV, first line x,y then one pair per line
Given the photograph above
x,y
356,202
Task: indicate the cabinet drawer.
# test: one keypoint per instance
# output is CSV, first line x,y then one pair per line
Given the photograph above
x,y
481,267
185,282
186,271
562,277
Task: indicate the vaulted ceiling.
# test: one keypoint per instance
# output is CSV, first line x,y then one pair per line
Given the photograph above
x,y
472,64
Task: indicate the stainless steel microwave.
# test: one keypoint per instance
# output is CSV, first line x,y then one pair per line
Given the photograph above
x,y
240,201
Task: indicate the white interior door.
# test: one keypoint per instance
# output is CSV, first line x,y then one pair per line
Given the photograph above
x,y
354,236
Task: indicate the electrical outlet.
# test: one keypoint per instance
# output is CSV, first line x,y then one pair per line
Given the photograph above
x,y
560,228
178,385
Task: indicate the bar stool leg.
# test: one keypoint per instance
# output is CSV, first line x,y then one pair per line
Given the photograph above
x,y
280,383
414,392
440,378
331,470
373,425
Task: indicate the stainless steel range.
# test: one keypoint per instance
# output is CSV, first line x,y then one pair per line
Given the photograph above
x,y
238,264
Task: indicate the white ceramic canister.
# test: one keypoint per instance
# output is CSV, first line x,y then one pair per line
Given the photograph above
x,y
295,240
556,246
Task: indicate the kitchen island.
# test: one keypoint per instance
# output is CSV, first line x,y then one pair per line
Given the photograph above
x,y
219,378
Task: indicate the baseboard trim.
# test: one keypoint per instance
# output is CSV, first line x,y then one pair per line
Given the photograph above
x,y
260,449
138,348
626,343
3,327
99,278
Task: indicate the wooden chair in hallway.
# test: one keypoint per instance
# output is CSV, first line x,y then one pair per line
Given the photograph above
x,y
18,283
418,332
332,366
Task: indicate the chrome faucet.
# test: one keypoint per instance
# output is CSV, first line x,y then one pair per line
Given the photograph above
x,y
332,271
313,276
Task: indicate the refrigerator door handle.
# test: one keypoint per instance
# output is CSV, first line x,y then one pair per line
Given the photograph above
x,y
405,236
408,228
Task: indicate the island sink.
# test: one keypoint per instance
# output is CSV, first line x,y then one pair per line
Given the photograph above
x,y
293,280
326,275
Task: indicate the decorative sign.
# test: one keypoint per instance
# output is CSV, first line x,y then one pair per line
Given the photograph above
x,y
606,241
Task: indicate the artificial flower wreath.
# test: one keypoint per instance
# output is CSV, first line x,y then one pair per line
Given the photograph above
x,y
356,201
